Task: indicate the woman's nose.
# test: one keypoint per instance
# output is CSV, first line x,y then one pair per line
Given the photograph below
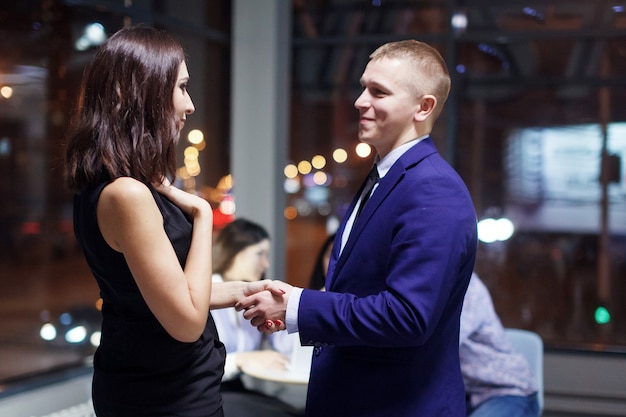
x,y
190,107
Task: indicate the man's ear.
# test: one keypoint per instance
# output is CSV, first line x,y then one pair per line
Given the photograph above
x,y
427,105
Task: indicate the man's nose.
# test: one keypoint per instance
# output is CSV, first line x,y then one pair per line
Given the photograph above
x,y
361,101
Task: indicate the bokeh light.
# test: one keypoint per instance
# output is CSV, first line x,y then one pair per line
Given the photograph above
x,y
291,171
195,136
304,167
318,162
363,150
340,155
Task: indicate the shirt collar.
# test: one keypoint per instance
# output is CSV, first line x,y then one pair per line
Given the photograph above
x,y
385,164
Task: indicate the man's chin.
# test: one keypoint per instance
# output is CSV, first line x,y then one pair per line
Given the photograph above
x,y
365,138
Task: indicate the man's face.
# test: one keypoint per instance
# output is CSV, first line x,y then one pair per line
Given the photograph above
x,y
386,106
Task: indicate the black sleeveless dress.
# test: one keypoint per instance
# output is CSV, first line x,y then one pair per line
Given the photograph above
x,y
139,369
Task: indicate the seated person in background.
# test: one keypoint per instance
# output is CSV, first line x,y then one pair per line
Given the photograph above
x,y
241,253
498,381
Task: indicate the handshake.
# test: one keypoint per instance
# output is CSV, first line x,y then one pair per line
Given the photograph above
x,y
265,304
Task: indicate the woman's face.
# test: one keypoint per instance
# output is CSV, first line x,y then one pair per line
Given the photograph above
x,y
183,105
251,263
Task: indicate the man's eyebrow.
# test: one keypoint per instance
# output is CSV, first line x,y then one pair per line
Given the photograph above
x,y
376,84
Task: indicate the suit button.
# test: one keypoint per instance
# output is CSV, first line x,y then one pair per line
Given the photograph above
x,y
317,350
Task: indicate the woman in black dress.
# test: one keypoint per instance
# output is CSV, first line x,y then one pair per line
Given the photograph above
x,y
147,243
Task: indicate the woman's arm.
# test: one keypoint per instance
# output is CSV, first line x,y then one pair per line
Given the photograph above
x,y
132,224
227,294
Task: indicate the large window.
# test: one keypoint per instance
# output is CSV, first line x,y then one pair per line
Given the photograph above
x,y
48,298
534,125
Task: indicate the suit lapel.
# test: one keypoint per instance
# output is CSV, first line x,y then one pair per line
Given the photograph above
x,y
395,174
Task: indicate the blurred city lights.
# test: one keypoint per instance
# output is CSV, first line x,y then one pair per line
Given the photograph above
x,y
226,183
76,334
495,230
290,212
304,167
459,21
79,325
308,180
363,150
303,207
95,339
6,91
93,35
320,178
191,152
182,173
31,228
65,319
324,208
291,171
48,332
227,205
340,155
602,315
315,196
193,167
94,32
195,136
5,146
292,185
200,146
318,162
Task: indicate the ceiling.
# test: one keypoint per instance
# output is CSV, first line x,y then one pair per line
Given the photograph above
x,y
507,45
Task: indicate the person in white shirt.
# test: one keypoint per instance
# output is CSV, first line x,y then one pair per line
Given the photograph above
x,y
241,253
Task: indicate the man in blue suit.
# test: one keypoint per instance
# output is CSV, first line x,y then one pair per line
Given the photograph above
x,y
386,331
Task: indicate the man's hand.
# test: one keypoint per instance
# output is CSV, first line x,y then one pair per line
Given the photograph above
x,y
266,308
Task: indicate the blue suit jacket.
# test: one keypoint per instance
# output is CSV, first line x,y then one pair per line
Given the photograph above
x,y
386,331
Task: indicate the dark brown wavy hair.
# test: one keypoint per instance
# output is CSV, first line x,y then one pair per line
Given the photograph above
x,y
125,124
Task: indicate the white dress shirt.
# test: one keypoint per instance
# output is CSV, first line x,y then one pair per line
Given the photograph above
x,y
383,165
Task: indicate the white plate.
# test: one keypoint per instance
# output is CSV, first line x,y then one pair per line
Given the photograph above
x,y
276,375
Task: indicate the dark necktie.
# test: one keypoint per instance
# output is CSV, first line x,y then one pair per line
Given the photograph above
x,y
372,179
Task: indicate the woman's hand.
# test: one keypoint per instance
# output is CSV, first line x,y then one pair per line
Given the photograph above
x,y
275,287
228,294
191,204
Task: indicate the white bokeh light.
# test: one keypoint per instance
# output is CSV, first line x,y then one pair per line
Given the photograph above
x,y
495,230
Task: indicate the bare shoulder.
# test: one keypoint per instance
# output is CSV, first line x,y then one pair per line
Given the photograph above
x,y
126,207
125,192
